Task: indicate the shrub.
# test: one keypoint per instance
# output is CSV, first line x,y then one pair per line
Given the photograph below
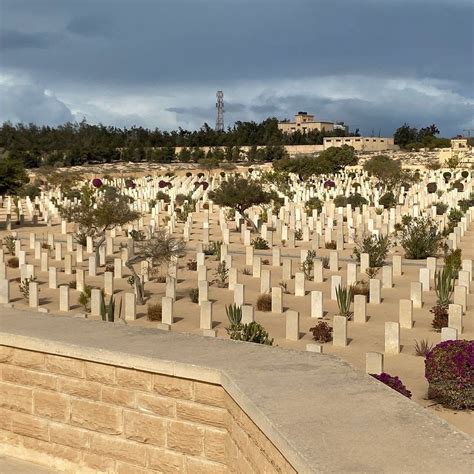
x,y
9,242
388,200
260,244
322,332
356,200
344,298
444,286
84,298
234,314
377,246
265,261
25,287
194,295
252,332
361,287
393,382
298,234
431,188
264,302
464,174
422,348
222,275
449,369
453,262
340,201
313,203
13,262
162,196
441,208
447,175
465,204
325,262
246,271
153,312
192,265
420,238
331,245
440,319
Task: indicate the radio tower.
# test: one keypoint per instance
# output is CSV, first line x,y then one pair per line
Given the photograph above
x,y
220,111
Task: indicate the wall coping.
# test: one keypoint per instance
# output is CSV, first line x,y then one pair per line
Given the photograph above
x,y
320,413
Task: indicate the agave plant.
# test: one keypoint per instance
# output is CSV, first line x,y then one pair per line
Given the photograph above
x,y
344,297
107,311
444,286
234,314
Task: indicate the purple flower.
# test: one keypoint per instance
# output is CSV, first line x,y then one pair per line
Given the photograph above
x,y
97,183
393,382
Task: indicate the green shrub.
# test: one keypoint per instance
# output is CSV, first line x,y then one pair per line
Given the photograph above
x,y
377,246
162,196
322,332
441,208
251,332
356,200
450,374
260,244
84,298
194,295
344,298
420,238
444,286
9,242
453,262
313,203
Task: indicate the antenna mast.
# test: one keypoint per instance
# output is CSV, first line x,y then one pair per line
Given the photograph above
x,y
220,111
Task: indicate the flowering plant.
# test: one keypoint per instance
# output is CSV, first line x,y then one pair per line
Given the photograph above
x,y
97,183
393,382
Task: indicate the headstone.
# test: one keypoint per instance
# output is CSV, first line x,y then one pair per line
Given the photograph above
x,y
336,281
53,277
4,291
247,314
130,306
277,299
167,310
455,317
449,334
387,276
239,294
317,304
425,279
64,298
405,314
374,291
206,315
460,296
299,284
416,294
203,288
374,363
339,334
360,309
392,338
33,290
397,265
292,325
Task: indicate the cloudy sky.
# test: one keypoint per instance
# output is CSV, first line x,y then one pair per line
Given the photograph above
x,y
158,63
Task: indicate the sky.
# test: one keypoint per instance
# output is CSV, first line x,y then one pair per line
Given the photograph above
x,y
373,64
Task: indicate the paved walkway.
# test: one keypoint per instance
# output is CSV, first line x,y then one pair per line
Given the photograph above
x,y
10,465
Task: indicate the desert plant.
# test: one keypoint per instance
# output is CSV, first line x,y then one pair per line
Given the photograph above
x,y
344,298
252,332
264,302
234,314
13,262
107,310
420,238
298,234
322,332
377,246
194,295
25,287
440,319
284,286
449,371
9,242
137,235
371,272
153,312
422,348
246,271
222,274
216,249
313,203
192,265
441,208
360,287
308,265
84,298
444,286
388,200
265,261
260,244
331,245
393,382
453,262
325,262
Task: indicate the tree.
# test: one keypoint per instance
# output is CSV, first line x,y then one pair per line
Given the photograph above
x,y
241,193
339,157
404,135
386,170
159,249
98,212
12,176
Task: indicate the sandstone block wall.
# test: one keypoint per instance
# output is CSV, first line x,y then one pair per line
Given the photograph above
x,y
79,416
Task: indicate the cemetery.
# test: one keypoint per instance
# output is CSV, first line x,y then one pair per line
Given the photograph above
x,y
337,265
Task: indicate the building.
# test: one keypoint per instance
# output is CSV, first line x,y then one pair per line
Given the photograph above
x,y
361,143
460,150
305,122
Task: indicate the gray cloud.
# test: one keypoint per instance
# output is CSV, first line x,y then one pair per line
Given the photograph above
x,y
10,39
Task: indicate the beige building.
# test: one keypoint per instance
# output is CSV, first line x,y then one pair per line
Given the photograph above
x,y
361,143
305,122
460,150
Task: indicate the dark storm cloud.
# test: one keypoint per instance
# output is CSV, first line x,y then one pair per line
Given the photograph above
x,y
186,45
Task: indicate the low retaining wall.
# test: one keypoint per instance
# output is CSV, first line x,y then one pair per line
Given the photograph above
x,y
83,396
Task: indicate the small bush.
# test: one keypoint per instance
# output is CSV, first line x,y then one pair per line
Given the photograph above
x,y
265,261
422,348
194,295
298,234
388,200
356,200
441,208
252,332
192,265
376,246
431,188
440,319
322,332
161,279
393,382
153,312
246,271
9,242
420,238
313,203
331,245
325,262
361,287
453,262
264,303
84,298
449,369
260,244
13,262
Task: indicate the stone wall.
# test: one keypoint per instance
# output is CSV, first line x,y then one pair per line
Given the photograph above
x,y
79,416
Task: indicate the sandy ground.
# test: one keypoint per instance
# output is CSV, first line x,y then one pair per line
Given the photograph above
x,y
363,337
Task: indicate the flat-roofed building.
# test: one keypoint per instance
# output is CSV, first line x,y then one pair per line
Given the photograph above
x,y
361,143
305,122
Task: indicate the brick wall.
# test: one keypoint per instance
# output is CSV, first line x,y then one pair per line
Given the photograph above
x,y
80,416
